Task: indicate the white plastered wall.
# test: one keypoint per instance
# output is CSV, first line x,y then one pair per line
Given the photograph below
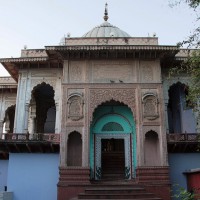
x,y
28,79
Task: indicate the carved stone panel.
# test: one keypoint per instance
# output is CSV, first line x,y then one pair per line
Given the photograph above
x,y
99,96
76,74
75,108
150,71
147,73
103,72
150,106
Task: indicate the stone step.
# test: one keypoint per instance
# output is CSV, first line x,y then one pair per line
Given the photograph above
x,y
118,189
113,190
153,198
115,183
115,196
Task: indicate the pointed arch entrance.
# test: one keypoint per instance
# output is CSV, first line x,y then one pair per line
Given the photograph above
x,y
112,142
42,111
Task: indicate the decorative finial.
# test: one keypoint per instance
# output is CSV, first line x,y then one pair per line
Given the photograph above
x,y
106,12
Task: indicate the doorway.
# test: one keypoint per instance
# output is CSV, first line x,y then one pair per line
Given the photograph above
x,y
112,133
113,159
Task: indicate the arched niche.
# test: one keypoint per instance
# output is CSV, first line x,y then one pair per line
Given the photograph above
x,y
150,106
75,107
74,149
42,110
151,149
181,118
9,119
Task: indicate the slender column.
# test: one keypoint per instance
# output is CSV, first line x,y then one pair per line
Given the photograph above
x,y
57,118
26,118
84,147
32,125
63,149
1,126
166,116
20,107
7,126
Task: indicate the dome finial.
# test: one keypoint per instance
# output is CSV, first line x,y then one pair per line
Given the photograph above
x,y
106,12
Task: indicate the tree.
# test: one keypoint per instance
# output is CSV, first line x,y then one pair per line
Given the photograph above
x,y
192,65
193,40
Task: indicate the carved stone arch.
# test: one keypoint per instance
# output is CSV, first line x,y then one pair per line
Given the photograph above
x,y
36,83
74,149
75,104
155,129
150,106
73,129
9,106
180,111
178,83
42,99
40,84
151,149
173,83
152,133
99,96
9,118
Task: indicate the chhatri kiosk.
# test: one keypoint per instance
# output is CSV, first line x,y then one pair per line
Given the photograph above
x,y
99,103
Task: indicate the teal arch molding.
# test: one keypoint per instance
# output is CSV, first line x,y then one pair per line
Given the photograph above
x,y
103,117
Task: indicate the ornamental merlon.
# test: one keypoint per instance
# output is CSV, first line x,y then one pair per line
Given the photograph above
x,y
33,53
112,47
7,80
112,41
13,60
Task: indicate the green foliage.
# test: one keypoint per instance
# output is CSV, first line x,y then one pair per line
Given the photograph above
x,y
191,67
183,194
193,39
191,3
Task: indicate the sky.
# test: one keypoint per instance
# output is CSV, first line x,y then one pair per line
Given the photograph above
x,y
40,23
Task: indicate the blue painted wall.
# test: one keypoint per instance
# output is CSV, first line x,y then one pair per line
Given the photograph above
x,y
179,163
33,176
3,174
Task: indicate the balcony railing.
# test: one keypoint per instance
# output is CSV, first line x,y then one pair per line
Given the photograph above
x,y
183,142
21,137
183,137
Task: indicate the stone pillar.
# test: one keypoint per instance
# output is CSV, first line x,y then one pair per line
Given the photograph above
x,y
32,125
166,115
63,149
21,108
26,118
85,147
57,118
1,126
7,126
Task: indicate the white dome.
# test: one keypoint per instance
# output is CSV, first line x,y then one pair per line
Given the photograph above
x,y
106,30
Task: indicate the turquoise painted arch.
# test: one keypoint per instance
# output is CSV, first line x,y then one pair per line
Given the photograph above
x,y
119,122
